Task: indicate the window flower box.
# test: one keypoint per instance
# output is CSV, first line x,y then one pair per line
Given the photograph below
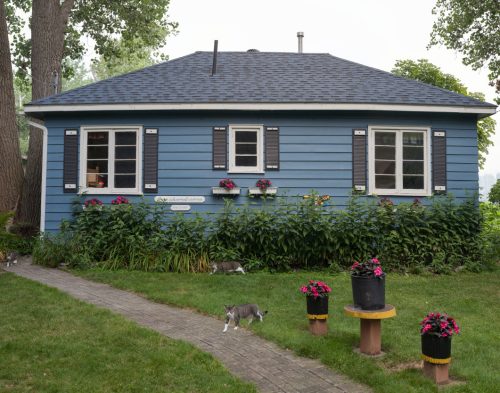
x,y
258,191
225,191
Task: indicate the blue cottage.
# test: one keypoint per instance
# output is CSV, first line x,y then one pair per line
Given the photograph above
x,y
305,121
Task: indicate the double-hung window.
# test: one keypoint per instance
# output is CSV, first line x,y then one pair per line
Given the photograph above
x,y
110,160
246,150
398,161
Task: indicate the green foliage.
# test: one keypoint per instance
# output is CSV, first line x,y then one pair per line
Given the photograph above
x,y
424,71
471,27
15,239
490,234
494,194
137,55
104,22
439,237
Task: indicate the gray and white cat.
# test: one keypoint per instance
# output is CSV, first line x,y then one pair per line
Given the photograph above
x,y
235,313
12,258
227,267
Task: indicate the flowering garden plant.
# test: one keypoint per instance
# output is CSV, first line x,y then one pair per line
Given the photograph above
x,y
228,184
316,289
94,202
370,268
438,324
119,201
263,184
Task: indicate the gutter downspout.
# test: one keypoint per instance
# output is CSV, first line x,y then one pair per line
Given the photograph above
x,y
45,132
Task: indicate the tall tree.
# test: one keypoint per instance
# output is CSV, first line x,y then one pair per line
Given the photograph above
x,y
11,171
424,71
472,27
57,27
137,54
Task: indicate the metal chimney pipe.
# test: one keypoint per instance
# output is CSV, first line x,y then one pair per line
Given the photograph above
x,y
300,36
214,64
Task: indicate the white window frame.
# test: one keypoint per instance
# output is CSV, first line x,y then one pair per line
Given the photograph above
x,y
259,168
84,130
399,161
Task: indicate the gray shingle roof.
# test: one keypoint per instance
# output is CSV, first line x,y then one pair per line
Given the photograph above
x,y
260,77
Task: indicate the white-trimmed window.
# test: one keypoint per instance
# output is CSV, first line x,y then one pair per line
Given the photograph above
x,y
399,161
111,160
246,149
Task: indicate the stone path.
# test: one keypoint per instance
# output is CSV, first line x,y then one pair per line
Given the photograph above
x,y
247,356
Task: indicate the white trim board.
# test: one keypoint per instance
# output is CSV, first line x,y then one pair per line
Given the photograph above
x,y
43,198
262,106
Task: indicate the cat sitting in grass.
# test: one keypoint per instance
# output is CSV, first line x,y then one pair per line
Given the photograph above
x,y
235,313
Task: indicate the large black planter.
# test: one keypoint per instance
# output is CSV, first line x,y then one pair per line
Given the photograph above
x,y
317,306
368,292
435,347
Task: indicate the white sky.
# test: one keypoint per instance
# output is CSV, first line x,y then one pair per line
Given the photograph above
x,y
374,33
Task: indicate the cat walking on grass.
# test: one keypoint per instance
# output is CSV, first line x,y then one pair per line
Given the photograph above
x,y
236,313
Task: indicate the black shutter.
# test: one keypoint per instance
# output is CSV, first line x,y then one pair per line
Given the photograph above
x,y
70,164
439,161
359,159
219,148
151,160
272,147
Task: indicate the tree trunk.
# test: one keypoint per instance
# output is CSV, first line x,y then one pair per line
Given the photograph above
x,y
11,170
48,24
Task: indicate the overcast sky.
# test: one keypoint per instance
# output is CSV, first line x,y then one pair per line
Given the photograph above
x,y
374,33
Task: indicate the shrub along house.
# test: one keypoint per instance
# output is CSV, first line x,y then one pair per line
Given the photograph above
x,y
303,120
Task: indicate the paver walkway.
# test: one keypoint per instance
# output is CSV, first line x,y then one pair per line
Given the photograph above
x,y
247,356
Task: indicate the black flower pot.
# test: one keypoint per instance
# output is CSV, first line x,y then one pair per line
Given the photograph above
x,y
368,292
317,305
436,347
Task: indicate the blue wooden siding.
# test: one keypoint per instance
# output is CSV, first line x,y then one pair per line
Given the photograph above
x,y
315,153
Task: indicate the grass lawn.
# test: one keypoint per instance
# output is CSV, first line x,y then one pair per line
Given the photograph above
x,y
471,298
50,342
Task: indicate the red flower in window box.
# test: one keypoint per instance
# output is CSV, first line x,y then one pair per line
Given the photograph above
x,y
263,184
228,184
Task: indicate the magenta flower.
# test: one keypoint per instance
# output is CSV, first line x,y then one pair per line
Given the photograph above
x,y
370,268
439,324
316,289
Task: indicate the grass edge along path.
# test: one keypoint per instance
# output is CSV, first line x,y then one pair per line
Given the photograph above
x,y
50,342
470,298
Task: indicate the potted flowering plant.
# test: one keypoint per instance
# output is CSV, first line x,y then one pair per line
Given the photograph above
x,y
226,186
368,284
317,299
436,331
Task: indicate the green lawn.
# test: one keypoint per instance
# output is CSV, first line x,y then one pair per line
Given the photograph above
x,y
471,298
50,342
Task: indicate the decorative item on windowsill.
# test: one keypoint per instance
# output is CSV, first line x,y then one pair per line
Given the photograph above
x,y
226,187
368,285
317,306
263,187
319,200
436,332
